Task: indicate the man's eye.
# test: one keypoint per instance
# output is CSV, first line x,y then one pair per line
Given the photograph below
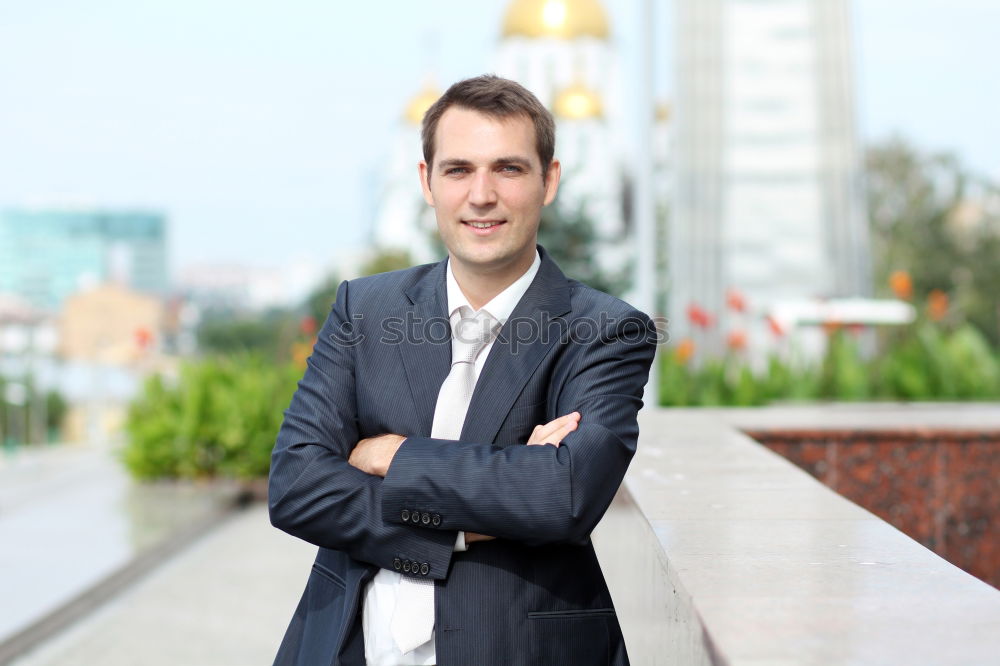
x,y
455,171
511,168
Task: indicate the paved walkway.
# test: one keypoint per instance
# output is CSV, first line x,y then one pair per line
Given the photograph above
x,y
224,600
72,525
61,528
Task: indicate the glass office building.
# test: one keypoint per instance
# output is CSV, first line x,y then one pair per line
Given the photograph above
x,y
46,255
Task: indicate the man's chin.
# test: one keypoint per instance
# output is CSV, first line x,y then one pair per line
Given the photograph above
x,y
492,262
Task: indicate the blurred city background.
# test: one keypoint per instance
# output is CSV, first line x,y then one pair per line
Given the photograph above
x,y
807,192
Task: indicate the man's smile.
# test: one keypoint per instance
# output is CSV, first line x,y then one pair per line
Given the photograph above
x,y
482,227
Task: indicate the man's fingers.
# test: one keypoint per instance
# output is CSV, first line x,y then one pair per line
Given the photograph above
x,y
472,537
559,435
544,432
555,431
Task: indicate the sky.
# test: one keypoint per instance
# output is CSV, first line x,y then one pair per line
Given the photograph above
x,y
261,128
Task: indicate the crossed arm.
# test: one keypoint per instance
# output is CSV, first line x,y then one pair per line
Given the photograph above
x,y
373,455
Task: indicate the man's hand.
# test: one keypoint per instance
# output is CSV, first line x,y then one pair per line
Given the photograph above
x,y
373,455
472,537
554,431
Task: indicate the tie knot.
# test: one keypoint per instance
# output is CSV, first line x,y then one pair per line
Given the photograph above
x,y
470,334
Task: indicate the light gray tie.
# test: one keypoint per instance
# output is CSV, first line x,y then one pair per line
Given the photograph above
x,y
413,619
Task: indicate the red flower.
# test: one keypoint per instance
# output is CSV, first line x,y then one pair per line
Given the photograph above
x,y
737,339
776,328
735,300
700,317
308,325
143,337
937,305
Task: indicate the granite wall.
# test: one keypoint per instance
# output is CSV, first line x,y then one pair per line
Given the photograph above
x,y
940,487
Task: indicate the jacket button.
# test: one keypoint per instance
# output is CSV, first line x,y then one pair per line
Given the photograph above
x,y
424,569
436,520
406,566
397,564
415,517
426,519
405,515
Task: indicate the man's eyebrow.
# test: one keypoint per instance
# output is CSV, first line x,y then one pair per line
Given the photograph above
x,y
514,159
454,162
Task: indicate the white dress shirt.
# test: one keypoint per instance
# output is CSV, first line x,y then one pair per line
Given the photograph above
x,y
381,593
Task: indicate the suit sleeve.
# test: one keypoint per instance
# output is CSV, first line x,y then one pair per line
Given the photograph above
x,y
313,492
539,494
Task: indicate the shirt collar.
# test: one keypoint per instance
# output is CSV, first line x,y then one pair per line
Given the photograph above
x,y
503,304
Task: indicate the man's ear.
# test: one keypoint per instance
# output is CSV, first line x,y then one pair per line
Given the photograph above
x,y
552,181
425,183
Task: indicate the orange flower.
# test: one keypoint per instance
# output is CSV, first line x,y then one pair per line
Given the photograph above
x,y
735,300
737,339
831,327
937,305
684,350
301,351
901,284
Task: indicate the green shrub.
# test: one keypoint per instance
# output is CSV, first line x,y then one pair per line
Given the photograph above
x,y
924,361
219,419
844,374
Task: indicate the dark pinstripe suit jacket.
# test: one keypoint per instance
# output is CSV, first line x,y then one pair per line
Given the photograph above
x,y
535,595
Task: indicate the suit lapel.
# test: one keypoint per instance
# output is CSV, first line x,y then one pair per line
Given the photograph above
x,y
426,347
527,336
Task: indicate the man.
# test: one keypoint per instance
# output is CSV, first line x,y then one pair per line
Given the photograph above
x,y
443,538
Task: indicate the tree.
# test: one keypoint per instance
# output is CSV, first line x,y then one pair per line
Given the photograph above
x,y
319,301
225,333
386,260
930,216
571,239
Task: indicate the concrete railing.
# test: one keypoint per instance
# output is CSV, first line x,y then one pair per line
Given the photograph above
x,y
719,551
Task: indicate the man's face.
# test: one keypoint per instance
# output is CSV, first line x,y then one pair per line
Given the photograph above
x,y
488,189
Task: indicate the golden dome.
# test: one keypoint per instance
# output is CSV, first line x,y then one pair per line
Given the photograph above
x,y
563,19
418,106
577,102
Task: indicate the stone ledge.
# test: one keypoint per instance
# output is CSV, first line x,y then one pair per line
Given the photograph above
x,y
719,551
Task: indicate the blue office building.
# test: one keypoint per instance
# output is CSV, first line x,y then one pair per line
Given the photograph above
x,y
46,255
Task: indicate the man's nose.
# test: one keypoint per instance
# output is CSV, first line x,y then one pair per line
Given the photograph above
x,y
481,191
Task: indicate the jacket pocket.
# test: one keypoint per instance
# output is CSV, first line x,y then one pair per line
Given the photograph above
x,y
570,614
329,574
585,637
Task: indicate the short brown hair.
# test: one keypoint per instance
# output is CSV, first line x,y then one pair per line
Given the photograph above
x,y
497,97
